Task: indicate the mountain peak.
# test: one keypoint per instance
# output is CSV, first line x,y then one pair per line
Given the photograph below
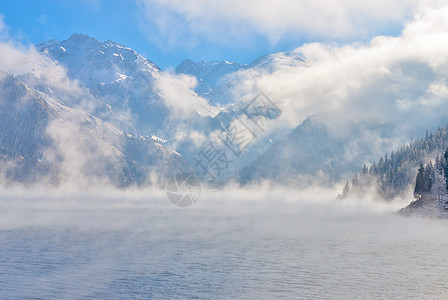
x,y
81,37
94,62
271,61
80,40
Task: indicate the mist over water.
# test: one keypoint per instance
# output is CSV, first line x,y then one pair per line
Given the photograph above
x,y
250,244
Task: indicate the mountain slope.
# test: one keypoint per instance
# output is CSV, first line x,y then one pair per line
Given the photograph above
x,y
23,120
42,140
314,153
309,150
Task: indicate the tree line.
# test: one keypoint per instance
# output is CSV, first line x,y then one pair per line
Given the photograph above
x,y
431,181
393,175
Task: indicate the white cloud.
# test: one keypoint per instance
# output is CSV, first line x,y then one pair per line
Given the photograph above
x,y
178,22
395,80
177,93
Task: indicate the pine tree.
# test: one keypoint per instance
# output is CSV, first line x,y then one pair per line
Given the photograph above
x,y
438,164
346,190
428,177
442,163
438,189
355,180
372,169
419,182
446,167
365,170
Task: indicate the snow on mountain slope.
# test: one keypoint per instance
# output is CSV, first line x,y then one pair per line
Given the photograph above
x,y
126,81
94,62
115,73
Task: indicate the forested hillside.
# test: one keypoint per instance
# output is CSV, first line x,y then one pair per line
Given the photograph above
x,y
393,175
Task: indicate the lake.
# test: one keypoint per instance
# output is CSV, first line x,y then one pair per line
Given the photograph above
x,y
248,245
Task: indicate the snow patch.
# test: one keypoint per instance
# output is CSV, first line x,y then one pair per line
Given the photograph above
x,y
122,76
118,55
157,139
123,47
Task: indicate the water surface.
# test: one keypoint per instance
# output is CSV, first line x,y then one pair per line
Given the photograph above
x,y
218,250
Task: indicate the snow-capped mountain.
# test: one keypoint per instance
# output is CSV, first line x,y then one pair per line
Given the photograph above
x,y
120,110
116,74
121,78
125,81
93,62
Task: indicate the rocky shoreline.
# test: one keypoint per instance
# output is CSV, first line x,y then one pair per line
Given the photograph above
x,y
424,207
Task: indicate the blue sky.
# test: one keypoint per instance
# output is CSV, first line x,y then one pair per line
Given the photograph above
x,y
168,32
